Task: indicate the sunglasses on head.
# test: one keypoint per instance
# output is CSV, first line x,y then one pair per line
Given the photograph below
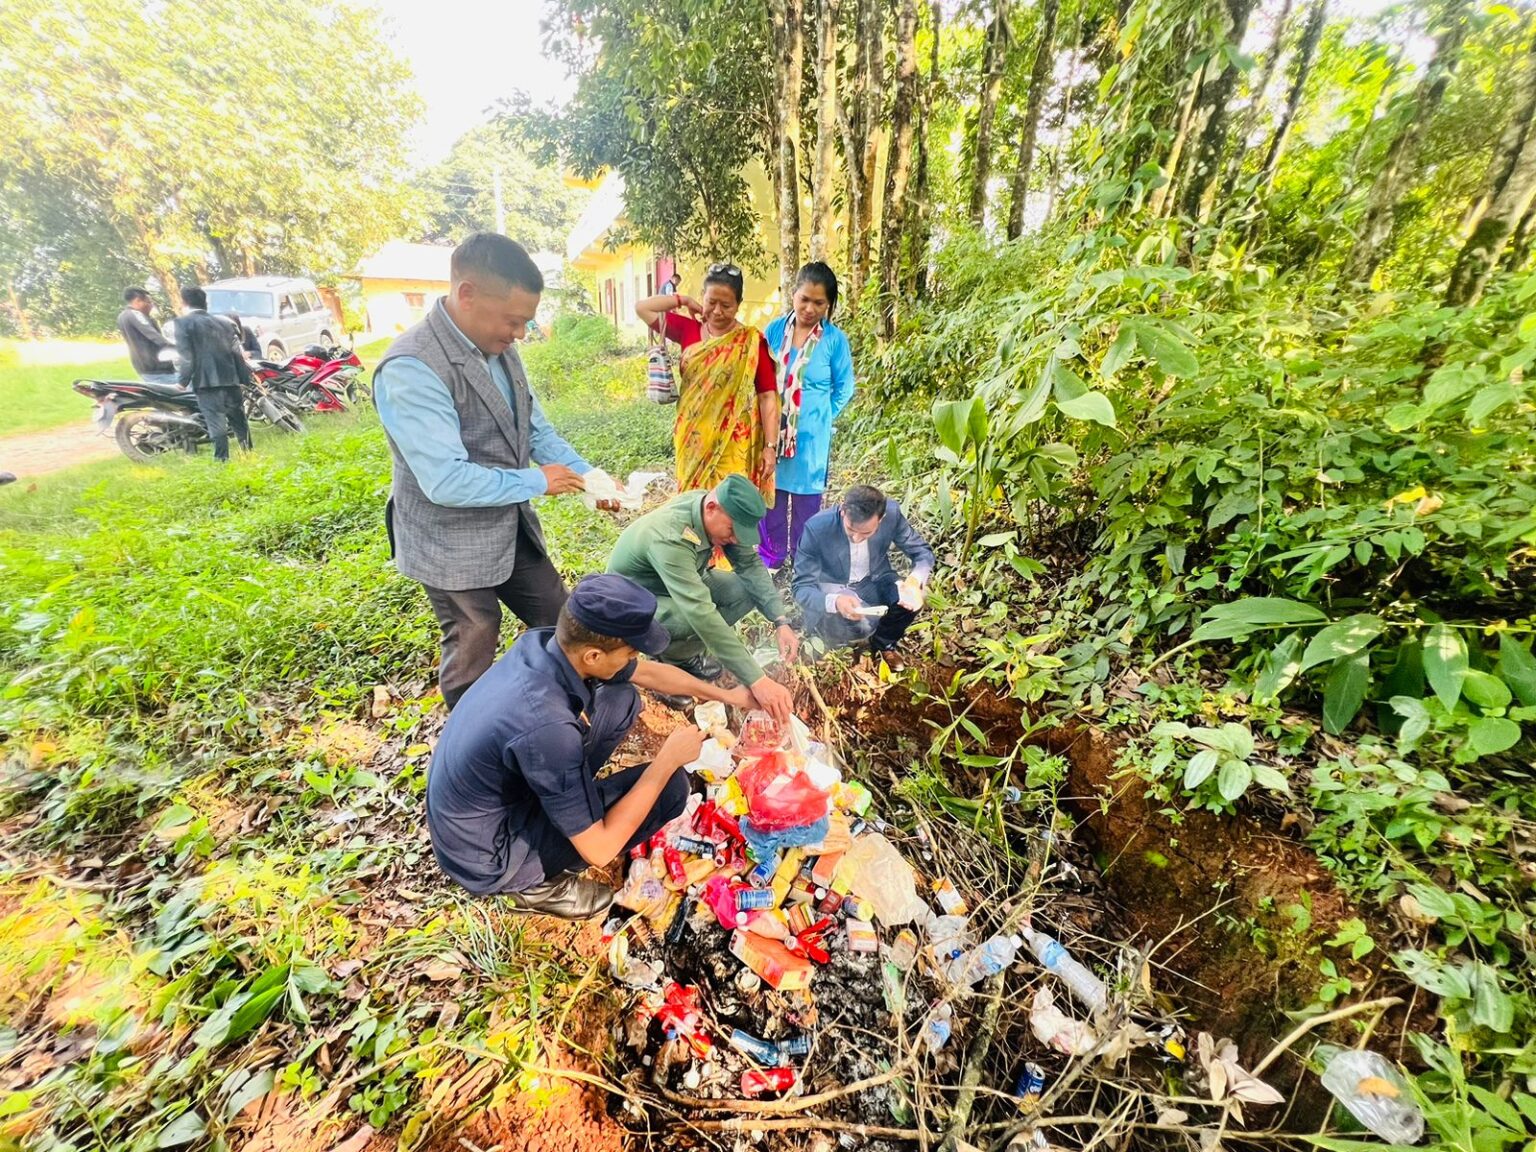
x,y
724,269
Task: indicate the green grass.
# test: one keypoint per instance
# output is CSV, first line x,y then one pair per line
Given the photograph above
x,y
38,396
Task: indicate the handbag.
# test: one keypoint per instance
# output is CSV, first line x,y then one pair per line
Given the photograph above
x,y
660,382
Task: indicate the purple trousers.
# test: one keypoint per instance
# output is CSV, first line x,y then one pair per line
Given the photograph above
x,y
784,525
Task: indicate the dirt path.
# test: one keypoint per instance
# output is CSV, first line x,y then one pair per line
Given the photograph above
x,y
32,454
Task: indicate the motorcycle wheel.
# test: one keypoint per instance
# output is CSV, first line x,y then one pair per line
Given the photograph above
x,y
358,392
142,438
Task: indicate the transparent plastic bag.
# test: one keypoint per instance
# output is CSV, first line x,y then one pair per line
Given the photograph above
x,y
1374,1091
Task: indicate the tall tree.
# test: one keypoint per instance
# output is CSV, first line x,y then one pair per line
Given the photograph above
x,y
538,208
826,130
1506,199
898,164
994,55
790,60
1301,68
1374,233
920,227
1214,114
1039,78
871,36
1256,95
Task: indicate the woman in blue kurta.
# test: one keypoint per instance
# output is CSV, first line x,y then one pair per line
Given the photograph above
x,y
815,373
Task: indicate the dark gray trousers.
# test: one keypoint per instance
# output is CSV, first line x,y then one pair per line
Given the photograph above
x,y
471,619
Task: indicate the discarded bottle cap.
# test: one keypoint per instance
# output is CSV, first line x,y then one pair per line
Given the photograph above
x,y
748,981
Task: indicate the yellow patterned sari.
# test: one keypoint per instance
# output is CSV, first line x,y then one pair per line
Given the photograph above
x,y
718,429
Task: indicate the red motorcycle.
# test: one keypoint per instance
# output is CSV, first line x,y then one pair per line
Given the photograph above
x,y
317,379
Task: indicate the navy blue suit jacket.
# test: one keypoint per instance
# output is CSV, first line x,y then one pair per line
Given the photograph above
x,y
821,561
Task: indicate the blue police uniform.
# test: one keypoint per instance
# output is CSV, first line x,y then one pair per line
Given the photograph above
x,y
514,775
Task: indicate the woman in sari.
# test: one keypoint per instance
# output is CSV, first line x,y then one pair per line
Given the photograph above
x,y
728,401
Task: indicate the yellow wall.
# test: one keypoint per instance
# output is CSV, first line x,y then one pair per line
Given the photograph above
x,y
386,305
630,273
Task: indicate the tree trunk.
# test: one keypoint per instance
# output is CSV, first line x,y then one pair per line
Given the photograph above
x,y
1162,196
1200,185
1066,112
1306,53
1039,79
24,327
826,129
898,164
1508,201
1511,142
791,58
1372,239
1256,100
992,58
867,120
920,210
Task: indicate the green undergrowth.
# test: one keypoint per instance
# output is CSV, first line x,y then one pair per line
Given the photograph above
x,y
1278,539
217,710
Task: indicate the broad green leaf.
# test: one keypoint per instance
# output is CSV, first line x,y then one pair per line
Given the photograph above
x,y
1158,343
1345,690
1234,779
1415,719
951,419
1342,638
1200,767
1284,665
1119,353
1435,902
1094,406
1485,690
1517,667
1270,777
183,1130
1445,662
995,539
1489,400
174,817
1233,739
1065,383
1241,618
251,1013
1492,1007
1490,735
1169,728
253,1087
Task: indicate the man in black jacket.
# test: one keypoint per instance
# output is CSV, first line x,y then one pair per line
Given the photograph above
x,y
212,368
144,338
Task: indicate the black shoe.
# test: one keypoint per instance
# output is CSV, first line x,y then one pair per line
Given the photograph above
x,y
702,668
568,896
675,702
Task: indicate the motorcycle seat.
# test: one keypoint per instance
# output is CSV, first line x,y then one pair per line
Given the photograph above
x,y
163,389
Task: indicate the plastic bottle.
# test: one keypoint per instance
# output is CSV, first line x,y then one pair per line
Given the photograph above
x,y
940,1024
972,967
947,937
1054,957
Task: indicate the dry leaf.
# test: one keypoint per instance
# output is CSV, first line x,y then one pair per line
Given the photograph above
x,y
381,702
357,1141
441,970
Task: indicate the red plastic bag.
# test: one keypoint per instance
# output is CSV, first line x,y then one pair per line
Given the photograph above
x,y
780,795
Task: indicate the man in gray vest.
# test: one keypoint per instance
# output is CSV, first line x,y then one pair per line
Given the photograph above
x,y
471,449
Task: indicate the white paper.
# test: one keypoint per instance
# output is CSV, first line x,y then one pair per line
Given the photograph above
x,y
871,610
709,715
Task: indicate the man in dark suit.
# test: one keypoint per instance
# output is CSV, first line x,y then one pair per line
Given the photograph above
x,y
214,370
843,575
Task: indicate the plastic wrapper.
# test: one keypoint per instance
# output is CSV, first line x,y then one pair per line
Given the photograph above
x,y
876,872
714,763
601,486
764,842
1374,1091
1056,1029
782,795
760,735
642,891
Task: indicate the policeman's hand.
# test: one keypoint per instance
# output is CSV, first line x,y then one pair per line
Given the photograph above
x,y
739,697
789,644
848,607
559,480
682,746
774,699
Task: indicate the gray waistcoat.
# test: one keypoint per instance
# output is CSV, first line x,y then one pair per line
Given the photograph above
x,y
460,548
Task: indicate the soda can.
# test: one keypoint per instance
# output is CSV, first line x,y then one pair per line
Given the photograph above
x,y
1031,1083
758,1081
697,846
753,899
763,871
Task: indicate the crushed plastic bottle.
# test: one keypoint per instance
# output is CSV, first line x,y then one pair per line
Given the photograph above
x,y
1054,957
991,957
1375,1093
940,1025
948,937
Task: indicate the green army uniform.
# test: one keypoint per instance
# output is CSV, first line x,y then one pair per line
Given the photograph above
x,y
667,552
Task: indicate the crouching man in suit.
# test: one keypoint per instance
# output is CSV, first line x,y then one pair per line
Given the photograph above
x,y
843,575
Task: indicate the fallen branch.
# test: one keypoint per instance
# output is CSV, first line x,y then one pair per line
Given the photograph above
x,y
746,1124
799,1104
1326,1018
974,1060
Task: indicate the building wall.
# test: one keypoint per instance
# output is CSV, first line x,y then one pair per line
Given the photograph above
x,y
392,306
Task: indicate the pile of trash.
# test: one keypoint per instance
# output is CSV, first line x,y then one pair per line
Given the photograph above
x,y
776,912
774,943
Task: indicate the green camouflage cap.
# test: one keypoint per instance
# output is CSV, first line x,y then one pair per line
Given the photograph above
x,y
743,503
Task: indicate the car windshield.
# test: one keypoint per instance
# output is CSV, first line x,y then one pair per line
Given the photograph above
x,y
257,305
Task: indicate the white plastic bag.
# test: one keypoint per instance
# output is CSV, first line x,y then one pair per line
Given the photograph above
x,y
877,873
1057,1030
601,486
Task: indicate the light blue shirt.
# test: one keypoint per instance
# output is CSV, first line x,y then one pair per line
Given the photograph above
x,y
826,386
417,411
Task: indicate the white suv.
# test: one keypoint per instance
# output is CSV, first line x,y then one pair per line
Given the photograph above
x,y
286,314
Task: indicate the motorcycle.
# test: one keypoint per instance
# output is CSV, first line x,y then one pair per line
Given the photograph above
x,y
317,379
149,419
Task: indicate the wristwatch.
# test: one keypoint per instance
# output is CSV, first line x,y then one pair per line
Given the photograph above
x,y
781,622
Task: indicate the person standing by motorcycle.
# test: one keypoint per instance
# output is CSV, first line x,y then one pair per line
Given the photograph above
x,y
144,338
214,370
245,340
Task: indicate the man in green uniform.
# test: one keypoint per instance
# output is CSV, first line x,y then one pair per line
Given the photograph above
x,y
667,552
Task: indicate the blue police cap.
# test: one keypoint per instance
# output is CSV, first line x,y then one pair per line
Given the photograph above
x,y
616,606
